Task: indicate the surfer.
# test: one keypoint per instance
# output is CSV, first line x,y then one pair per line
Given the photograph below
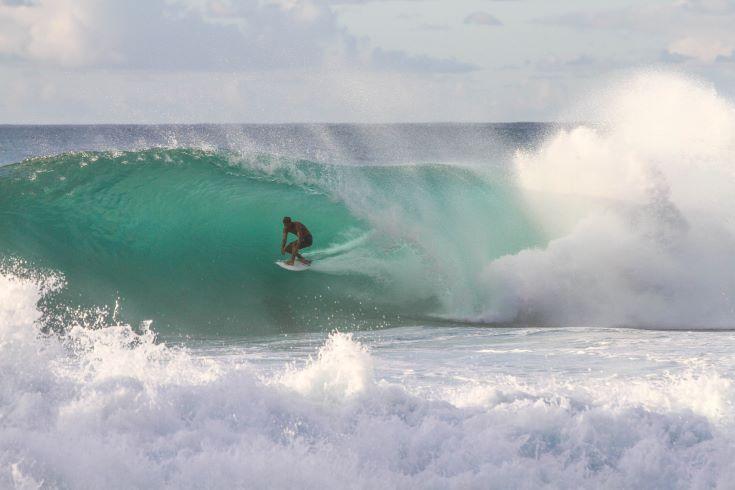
x,y
304,240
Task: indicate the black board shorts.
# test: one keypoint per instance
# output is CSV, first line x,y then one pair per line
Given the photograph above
x,y
305,242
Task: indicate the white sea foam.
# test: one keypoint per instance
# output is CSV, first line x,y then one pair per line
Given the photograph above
x,y
641,212
111,408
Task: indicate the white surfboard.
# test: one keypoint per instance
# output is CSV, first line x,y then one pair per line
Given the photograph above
x,y
297,266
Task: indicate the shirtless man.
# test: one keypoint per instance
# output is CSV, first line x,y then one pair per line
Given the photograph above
x,y
304,240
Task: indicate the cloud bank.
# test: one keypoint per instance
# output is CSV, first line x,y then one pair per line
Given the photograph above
x,y
225,36
339,60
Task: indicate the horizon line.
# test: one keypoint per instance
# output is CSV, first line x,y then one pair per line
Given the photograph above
x,y
322,123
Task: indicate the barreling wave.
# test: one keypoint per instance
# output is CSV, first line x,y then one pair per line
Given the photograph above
x,y
188,237
625,223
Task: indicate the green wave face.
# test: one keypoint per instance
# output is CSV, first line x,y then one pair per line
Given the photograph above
x,y
188,238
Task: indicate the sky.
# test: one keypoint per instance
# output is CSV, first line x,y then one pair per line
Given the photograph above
x,y
372,61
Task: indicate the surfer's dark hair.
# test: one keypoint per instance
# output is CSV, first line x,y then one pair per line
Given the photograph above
x,y
286,220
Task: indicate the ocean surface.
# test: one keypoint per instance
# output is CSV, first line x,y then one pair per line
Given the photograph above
x,y
490,305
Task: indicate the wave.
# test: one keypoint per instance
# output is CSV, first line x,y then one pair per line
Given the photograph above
x,y
188,237
623,223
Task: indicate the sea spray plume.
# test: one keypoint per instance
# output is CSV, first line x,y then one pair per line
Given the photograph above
x,y
342,369
449,220
20,295
650,240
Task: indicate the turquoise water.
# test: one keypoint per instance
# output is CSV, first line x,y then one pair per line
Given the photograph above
x,y
187,238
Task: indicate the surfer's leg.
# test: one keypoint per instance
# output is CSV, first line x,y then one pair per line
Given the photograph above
x,y
304,243
292,249
302,259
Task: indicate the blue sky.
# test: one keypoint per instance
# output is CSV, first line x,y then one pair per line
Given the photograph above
x,y
88,61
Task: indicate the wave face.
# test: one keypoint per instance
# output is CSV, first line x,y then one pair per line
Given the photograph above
x,y
188,238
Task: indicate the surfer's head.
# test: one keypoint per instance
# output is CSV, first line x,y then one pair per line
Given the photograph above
x,y
287,220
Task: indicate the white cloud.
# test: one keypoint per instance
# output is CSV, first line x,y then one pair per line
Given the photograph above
x,y
222,36
161,35
702,49
61,32
707,6
400,61
483,19
198,61
700,30
624,19
313,60
682,16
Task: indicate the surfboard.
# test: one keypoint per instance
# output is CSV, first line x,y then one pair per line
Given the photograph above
x,y
297,266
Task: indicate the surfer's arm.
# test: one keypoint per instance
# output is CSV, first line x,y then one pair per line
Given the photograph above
x,y
283,242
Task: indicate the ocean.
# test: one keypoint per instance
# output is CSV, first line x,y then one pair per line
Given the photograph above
x,y
522,305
